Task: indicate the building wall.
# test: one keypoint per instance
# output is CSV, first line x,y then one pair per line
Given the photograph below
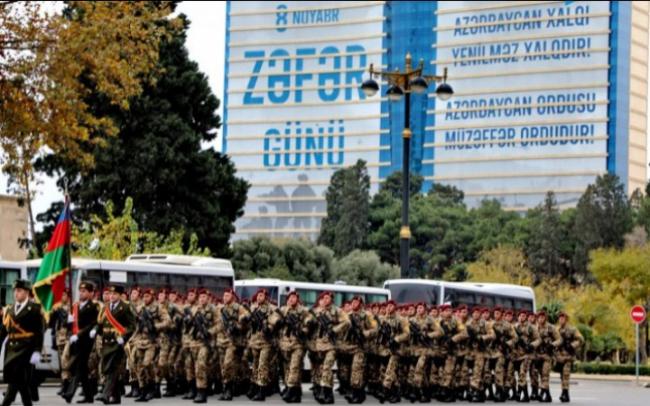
x,y
548,95
13,226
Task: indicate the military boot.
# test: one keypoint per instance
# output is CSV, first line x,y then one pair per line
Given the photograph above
x,y
201,396
151,392
534,394
328,396
252,391
490,393
393,396
227,392
64,387
156,391
524,395
294,395
135,391
260,394
499,395
476,396
564,397
191,391
514,395
218,388
318,393
546,396
170,389
143,394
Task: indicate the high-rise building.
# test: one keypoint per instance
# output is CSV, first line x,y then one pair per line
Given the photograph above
x,y
548,95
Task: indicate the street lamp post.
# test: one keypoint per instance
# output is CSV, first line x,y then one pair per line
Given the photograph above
x,y
402,84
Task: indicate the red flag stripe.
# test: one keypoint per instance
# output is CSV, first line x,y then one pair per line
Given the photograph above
x,y
60,237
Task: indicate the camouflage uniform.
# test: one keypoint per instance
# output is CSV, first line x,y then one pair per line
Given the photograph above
x,y
454,333
168,366
231,341
187,342
480,335
501,349
202,331
393,333
144,344
292,346
59,324
527,342
551,340
129,349
423,329
572,340
363,328
325,346
264,318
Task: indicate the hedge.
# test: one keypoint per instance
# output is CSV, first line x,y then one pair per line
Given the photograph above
x,y
610,369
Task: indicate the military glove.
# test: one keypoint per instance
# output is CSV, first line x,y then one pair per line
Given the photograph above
x,y
73,339
93,334
120,340
70,318
36,358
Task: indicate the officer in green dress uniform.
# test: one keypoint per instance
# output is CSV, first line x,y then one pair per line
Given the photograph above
x,y
116,324
23,325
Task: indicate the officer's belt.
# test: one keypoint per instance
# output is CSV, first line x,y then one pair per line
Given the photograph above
x,y
9,321
18,336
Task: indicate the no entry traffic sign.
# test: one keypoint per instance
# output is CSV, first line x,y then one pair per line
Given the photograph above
x,y
638,314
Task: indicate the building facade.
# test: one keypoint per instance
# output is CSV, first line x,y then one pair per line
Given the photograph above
x,y
13,228
548,95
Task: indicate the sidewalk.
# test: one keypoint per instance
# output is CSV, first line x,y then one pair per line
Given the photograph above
x,y
595,377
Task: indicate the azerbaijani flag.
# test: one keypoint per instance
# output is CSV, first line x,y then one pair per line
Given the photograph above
x,y
50,281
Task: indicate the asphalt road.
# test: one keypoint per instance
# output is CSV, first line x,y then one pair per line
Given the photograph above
x,y
583,392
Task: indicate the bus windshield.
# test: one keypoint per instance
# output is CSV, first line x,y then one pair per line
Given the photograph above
x,y
414,293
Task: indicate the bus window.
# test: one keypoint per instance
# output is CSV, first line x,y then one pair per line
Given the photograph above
x,y
338,298
7,278
98,278
523,304
184,282
375,298
457,297
308,297
485,300
414,293
505,302
247,292
32,272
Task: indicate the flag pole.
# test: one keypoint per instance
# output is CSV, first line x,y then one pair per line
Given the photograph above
x,y
66,199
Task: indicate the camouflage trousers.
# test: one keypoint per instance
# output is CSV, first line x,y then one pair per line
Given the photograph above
x,y
566,364
163,364
436,370
187,362
390,374
344,365
501,370
168,361
520,367
534,372
449,370
315,361
462,371
196,365
477,365
129,348
373,369
261,367
545,365
418,371
326,372
489,369
292,366
230,357
143,364
64,358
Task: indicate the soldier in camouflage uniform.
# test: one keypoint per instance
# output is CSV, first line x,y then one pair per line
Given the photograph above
x,y
186,343
167,368
59,318
423,330
480,334
230,340
373,365
135,304
151,320
393,333
533,365
363,328
293,331
463,359
344,349
454,333
502,348
572,340
263,320
551,341
203,330
527,342
331,321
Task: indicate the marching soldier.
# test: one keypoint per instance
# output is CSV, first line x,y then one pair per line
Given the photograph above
x,y
572,340
204,315
167,368
135,305
116,325
501,351
59,324
295,318
187,343
23,325
480,334
363,327
230,340
330,323
551,340
150,321
464,357
423,329
533,366
263,320
454,332
527,342
393,332
84,316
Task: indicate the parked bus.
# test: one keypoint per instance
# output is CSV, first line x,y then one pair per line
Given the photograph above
x,y
279,289
435,292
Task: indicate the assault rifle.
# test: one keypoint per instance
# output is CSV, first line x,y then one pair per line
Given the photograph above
x,y
385,337
58,320
174,333
325,326
293,326
417,336
229,323
355,333
187,319
146,324
201,330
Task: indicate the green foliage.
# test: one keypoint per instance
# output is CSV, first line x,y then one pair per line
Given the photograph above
x,y
626,270
610,369
363,268
348,196
119,236
504,264
158,159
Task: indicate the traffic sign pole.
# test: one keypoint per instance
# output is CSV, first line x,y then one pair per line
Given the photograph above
x,y
637,353
638,315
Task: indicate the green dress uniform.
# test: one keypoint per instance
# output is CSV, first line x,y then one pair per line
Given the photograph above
x,y
23,325
113,353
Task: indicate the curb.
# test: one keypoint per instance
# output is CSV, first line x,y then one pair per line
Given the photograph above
x,y
616,378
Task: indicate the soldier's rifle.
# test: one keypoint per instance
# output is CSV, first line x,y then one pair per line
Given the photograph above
x,y
229,323
355,333
325,326
147,324
201,328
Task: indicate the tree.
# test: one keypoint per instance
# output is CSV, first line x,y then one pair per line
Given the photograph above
x,y
549,244
158,160
111,46
603,217
348,196
118,236
363,268
504,264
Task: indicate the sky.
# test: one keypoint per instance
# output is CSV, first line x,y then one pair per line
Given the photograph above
x,y
206,46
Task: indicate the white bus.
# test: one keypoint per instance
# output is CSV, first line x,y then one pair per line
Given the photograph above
x,y
435,292
279,289
157,271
